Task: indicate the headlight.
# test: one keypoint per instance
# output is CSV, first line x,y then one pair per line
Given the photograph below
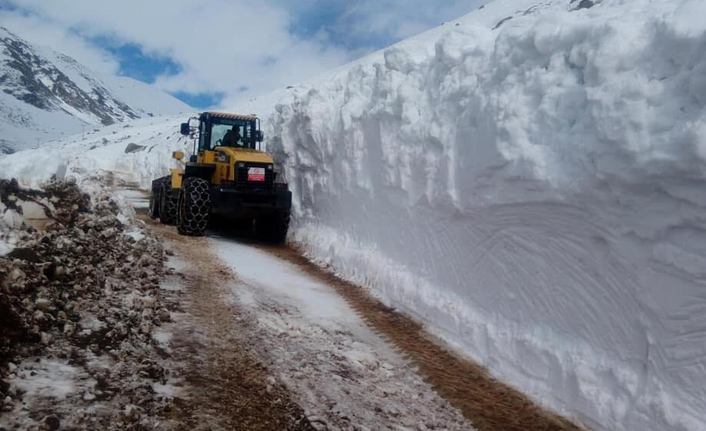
x,y
269,167
241,165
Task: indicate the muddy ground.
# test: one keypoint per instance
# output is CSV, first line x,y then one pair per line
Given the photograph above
x,y
226,386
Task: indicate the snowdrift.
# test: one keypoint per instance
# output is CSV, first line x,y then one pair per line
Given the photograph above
x,y
529,181
141,149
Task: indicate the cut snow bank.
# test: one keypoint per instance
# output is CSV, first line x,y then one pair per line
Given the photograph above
x,y
531,182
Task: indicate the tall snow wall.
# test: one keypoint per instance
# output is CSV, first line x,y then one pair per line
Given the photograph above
x,y
532,188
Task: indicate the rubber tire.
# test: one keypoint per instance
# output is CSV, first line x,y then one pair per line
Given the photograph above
x,y
153,210
194,207
273,228
167,203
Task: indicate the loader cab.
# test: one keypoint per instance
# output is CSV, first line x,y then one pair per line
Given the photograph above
x,y
217,129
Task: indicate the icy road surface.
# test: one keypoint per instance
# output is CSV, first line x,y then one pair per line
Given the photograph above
x,y
346,376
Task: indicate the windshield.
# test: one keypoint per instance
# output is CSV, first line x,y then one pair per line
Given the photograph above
x,y
227,136
229,132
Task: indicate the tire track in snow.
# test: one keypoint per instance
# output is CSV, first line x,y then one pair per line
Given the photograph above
x,y
343,375
226,386
488,403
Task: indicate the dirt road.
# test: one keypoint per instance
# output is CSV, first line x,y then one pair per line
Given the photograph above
x,y
268,347
272,342
219,382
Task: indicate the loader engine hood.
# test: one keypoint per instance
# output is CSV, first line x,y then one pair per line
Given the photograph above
x,y
246,155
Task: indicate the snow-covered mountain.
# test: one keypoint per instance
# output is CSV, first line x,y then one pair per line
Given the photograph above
x,y
45,95
529,180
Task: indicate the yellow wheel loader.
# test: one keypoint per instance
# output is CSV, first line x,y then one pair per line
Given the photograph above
x,y
228,178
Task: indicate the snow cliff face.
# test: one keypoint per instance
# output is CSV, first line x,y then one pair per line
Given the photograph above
x,y
44,95
529,180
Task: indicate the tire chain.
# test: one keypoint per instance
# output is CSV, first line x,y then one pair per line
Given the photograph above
x,y
168,204
196,201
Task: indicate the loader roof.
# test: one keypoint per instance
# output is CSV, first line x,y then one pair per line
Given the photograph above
x,y
230,116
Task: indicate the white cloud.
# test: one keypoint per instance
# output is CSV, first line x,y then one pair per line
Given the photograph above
x,y
45,33
222,45
372,21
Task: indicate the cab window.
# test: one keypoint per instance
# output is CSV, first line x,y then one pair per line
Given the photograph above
x,y
226,135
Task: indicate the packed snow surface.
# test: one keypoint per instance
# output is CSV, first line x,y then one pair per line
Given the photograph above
x,y
5,248
529,181
343,374
47,378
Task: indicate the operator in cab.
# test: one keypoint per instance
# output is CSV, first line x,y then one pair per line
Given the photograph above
x,y
232,137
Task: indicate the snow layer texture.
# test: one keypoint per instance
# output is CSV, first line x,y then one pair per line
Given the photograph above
x,y
529,180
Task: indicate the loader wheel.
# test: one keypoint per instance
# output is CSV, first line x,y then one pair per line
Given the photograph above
x,y
194,207
167,203
154,197
273,228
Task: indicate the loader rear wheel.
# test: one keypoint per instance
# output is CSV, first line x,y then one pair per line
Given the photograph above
x,y
154,197
194,207
167,203
273,228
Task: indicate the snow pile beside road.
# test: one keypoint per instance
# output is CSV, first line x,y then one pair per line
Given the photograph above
x,y
6,239
531,182
142,148
19,208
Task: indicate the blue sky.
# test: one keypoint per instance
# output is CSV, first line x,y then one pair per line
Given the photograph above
x,y
133,62
210,52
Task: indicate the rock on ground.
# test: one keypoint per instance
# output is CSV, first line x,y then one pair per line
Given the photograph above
x,y
78,303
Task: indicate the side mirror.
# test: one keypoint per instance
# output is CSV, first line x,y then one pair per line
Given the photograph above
x,y
185,129
179,155
259,136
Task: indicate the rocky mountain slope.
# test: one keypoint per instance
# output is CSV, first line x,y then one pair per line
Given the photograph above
x,y
45,95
